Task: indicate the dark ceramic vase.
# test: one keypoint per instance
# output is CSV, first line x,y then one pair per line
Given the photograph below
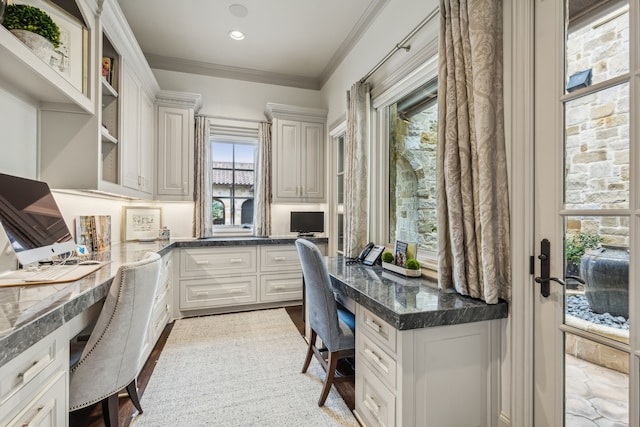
x,y
606,273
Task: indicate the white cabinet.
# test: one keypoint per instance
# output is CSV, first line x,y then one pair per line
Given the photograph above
x,y
298,153
161,311
418,377
175,148
217,279
137,134
113,149
33,386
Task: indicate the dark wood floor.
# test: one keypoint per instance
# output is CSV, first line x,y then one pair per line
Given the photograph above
x,y
92,415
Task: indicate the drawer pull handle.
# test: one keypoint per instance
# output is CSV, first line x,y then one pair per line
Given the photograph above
x,y
202,262
42,412
235,260
370,403
372,323
201,293
280,258
35,369
236,291
377,359
279,288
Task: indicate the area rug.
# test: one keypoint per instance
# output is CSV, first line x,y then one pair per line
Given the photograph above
x,y
240,369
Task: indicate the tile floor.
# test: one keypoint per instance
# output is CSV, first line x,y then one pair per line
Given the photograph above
x,y
595,395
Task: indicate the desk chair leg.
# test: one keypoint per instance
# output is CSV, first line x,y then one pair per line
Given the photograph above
x,y
328,381
312,343
133,395
110,410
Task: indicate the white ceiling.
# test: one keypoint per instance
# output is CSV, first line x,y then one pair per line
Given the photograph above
x,y
289,42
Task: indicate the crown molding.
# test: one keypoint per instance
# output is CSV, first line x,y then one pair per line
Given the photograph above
x,y
181,99
291,112
352,38
228,72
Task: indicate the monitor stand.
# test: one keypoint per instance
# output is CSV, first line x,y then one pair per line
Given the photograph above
x,y
306,234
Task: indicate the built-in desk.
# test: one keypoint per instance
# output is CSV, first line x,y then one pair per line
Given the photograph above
x,y
37,321
424,357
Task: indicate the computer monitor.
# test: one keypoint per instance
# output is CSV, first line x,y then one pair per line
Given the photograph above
x,y
32,220
307,223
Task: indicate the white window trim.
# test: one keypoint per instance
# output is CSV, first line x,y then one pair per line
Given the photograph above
x,y
234,131
379,202
335,132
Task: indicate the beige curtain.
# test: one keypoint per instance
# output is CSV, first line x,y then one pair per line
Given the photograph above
x,y
473,204
356,174
203,221
262,199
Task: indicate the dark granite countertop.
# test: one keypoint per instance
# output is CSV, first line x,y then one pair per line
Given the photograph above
x,y
408,303
29,313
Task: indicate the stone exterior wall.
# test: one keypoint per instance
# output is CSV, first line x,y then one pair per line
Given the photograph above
x,y
413,185
597,130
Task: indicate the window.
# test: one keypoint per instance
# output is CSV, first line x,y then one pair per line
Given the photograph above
x,y
413,136
233,177
337,215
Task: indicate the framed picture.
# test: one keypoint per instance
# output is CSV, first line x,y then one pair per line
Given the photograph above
x,y
141,223
69,59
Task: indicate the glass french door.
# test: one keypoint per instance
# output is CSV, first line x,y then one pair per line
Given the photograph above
x,y
587,213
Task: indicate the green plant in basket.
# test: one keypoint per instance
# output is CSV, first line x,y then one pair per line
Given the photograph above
x,y
25,17
412,264
387,257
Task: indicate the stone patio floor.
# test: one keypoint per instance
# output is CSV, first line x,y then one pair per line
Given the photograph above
x,y
595,395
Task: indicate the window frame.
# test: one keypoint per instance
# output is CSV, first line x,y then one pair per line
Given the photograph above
x,y
234,131
335,209
379,182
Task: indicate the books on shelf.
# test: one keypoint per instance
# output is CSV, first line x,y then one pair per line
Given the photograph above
x,y
94,232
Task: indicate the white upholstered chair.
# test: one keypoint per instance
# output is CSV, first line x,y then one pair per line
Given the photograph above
x,y
332,324
111,358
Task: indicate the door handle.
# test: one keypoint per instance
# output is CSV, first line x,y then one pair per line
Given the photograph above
x,y
545,270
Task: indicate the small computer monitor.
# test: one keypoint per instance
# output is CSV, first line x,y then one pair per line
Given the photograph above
x,y
32,220
307,223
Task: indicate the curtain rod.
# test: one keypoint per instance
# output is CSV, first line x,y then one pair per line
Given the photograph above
x,y
401,45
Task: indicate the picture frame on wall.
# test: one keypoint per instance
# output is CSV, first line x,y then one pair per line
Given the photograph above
x,y
69,59
141,223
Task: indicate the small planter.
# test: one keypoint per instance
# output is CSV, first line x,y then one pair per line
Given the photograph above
x,y
401,270
39,45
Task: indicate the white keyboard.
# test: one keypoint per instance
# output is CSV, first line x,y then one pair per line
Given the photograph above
x,y
50,274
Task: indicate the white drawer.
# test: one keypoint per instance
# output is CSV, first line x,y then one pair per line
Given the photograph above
x,y
279,258
377,329
281,287
30,370
165,269
203,262
374,401
216,292
48,408
382,364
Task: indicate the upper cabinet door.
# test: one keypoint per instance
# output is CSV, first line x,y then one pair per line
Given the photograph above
x,y
287,156
130,144
175,146
313,156
298,153
147,134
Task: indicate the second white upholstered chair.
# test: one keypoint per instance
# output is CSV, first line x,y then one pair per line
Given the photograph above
x,y
111,358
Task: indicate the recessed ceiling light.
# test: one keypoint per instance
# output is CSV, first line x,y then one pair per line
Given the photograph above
x,y
236,34
238,10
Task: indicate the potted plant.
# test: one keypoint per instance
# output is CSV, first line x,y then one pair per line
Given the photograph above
x,y
34,28
411,266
